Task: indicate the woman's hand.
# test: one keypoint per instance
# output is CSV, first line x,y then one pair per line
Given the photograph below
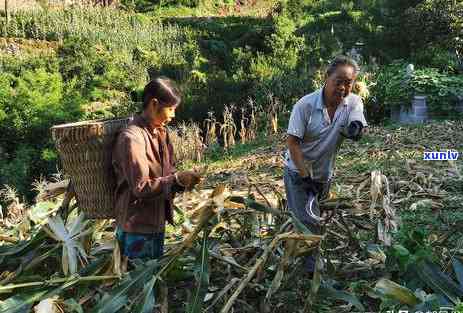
x,y
187,179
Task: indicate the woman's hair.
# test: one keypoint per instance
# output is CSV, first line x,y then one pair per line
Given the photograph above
x,y
162,89
342,60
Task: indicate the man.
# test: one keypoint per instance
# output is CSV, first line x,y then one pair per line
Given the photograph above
x,y
318,124
143,160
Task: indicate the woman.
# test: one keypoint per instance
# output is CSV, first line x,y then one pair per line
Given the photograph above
x,y
143,160
318,124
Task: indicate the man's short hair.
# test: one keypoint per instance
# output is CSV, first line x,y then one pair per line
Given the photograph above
x,y
342,60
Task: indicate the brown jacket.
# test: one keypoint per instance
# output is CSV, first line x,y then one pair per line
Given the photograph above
x,y
143,162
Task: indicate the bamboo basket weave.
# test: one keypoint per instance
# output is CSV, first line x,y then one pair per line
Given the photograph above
x,y
85,152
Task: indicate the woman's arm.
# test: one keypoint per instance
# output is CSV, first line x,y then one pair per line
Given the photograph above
x,y
134,163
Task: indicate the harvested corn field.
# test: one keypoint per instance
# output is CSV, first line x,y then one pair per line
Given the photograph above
x,y
391,239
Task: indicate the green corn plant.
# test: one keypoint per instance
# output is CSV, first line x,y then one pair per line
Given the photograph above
x,y
447,292
202,277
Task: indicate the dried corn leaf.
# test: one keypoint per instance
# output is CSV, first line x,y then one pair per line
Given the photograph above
x,y
49,305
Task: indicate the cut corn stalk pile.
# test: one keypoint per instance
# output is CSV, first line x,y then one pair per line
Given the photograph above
x,y
237,248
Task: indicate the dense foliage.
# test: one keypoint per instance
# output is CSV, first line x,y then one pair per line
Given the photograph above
x,y
102,58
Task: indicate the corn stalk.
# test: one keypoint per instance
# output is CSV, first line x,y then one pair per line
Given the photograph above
x,y
253,126
380,197
228,128
243,129
211,126
272,112
16,211
188,142
310,239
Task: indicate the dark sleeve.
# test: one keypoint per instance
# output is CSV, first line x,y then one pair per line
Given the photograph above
x,y
134,165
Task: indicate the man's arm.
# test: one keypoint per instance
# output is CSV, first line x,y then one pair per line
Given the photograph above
x,y
294,146
357,114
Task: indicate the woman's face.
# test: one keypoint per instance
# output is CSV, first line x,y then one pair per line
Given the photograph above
x,y
339,84
160,115
163,115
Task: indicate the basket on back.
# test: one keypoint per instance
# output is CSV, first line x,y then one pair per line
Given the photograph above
x,y
85,152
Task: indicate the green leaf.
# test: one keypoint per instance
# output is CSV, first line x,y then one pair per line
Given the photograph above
x,y
95,266
202,278
17,305
16,249
327,291
20,303
435,279
131,283
458,268
395,291
40,211
148,301
73,306
113,304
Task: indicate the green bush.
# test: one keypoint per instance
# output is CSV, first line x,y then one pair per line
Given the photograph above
x,y
16,170
78,61
31,103
441,89
148,5
106,56
392,88
435,21
437,57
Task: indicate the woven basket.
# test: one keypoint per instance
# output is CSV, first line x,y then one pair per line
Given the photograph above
x,y
85,151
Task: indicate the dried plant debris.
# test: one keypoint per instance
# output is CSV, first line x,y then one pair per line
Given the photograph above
x,y
238,248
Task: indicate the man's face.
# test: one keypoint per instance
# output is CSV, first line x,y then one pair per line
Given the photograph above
x,y
339,84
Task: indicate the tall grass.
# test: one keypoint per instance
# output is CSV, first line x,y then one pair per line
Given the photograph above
x,y
188,142
112,28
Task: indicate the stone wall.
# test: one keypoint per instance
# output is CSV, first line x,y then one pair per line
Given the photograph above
x,y
416,113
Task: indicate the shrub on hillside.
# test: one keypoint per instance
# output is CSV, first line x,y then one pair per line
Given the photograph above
x,y
31,104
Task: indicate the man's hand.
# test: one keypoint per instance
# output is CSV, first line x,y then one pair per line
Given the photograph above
x,y
307,180
308,184
187,179
354,131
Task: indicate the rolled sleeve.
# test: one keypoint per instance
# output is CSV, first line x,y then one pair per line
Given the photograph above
x,y
136,169
357,114
297,121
